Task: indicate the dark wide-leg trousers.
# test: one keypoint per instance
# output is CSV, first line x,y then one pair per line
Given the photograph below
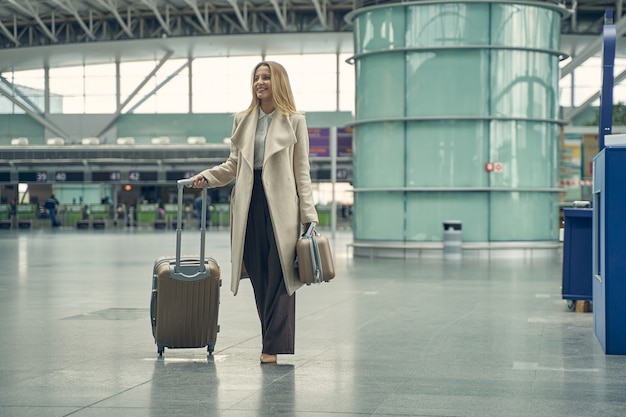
x,y
277,310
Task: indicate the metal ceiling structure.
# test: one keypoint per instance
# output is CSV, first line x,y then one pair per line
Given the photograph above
x,y
25,23
53,33
48,22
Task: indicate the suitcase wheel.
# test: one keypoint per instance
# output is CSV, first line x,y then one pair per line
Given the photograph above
x,y
160,350
210,348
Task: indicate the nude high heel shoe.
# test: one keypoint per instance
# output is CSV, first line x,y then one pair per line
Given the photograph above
x,y
268,358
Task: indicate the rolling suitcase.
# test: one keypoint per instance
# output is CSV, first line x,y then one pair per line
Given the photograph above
x,y
185,293
314,261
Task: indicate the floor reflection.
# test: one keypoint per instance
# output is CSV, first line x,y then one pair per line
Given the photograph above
x,y
277,390
185,382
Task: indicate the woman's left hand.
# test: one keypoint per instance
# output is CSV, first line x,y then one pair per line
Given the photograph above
x,y
306,226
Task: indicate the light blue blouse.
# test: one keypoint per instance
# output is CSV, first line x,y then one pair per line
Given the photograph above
x,y
262,127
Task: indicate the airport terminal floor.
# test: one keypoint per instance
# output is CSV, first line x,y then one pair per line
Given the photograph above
x,y
415,337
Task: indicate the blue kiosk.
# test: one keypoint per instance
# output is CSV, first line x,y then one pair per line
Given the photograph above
x,y
609,216
609,248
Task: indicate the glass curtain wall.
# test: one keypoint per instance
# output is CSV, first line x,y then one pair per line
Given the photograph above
x,y
321,82
443,89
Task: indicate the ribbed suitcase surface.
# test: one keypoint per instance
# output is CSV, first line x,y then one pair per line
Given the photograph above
x,y
185,312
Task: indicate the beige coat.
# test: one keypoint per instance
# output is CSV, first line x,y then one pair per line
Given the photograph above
x,y
286,179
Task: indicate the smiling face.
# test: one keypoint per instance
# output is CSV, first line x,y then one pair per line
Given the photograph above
x,y
271,89
262,84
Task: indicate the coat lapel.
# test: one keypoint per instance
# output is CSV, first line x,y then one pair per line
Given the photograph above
x,y
243,137
279,136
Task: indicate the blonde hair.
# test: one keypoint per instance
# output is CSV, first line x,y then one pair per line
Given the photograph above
x,y
281,89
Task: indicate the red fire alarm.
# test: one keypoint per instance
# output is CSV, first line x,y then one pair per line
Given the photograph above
x,y
494,167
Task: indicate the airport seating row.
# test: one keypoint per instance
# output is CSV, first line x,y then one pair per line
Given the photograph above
x,y
91,141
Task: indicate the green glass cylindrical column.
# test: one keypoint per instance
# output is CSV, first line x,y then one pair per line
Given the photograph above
x,y
442,89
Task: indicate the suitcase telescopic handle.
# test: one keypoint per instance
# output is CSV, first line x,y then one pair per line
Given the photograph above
x,y
310,230
187,271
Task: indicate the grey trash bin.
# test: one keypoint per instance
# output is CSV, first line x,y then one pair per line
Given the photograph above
x,y
452,239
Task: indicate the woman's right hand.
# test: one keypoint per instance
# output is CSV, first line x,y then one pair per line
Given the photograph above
x,y
198,181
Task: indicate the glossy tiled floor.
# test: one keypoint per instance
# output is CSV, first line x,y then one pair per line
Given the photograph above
x,y
386,338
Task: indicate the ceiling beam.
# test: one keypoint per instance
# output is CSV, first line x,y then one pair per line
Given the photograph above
x,y
111,8
242,21
36,116
145,81
269,21
132,95
30,11
72,10
159,86
158,16
24,97
321,12
8,34
281,14
203,22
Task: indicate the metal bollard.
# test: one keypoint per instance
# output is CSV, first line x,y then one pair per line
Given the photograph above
x,y
452,239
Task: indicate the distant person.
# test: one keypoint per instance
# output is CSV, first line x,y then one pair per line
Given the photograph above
x,y
131,218
85,212
198,207
51,205
120,213
13,208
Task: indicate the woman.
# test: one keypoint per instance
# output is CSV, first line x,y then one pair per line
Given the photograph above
x,y
272,197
